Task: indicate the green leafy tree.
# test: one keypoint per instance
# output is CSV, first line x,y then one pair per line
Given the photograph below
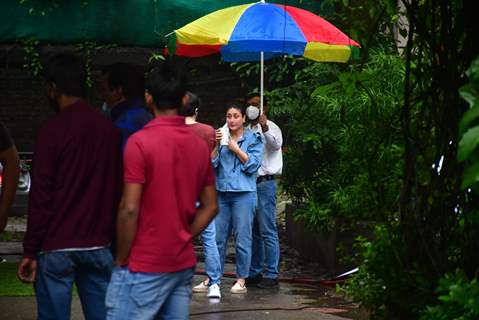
x,y
338,124
376,145
434,234
458,299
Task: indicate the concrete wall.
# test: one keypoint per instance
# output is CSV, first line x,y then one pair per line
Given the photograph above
x,y
321,248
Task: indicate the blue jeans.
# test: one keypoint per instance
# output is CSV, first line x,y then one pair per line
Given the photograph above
x,y
57,271
265,259
212,256
236,211
139,295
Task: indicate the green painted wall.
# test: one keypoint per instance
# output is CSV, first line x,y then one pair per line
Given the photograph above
x,y
123,22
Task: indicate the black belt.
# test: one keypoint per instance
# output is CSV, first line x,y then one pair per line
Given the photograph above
x,y
264,178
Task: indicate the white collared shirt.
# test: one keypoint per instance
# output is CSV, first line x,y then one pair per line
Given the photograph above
x,y
272,163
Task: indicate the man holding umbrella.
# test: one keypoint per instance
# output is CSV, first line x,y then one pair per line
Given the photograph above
x,y
265,253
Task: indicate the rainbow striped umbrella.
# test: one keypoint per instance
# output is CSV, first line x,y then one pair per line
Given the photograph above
x,y
259,31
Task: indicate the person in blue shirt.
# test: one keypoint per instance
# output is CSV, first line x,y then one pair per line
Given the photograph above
x,y
236,158
123,92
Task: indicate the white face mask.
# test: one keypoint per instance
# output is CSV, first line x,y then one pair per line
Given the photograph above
x,y
252,112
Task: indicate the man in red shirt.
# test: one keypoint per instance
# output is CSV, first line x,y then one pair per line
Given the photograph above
x,y
9,172
211,285
167,168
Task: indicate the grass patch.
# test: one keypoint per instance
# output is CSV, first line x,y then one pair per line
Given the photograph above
x,y
12,236
10,286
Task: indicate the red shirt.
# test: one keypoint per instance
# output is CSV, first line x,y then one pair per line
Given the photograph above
x,y
205,132
173,165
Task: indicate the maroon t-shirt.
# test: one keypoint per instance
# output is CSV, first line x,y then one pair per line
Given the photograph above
x,y
205,132
174,166
76,182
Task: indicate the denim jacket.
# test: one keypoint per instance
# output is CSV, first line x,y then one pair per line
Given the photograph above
x,y
231,174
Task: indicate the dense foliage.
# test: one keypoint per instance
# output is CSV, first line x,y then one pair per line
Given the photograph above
x,y
343,140
374,146
458,299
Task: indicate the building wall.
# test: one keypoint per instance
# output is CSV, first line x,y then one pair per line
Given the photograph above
x,y
24,107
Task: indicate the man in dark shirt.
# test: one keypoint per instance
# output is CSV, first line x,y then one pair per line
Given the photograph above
x,y
123,91
9,174
75,180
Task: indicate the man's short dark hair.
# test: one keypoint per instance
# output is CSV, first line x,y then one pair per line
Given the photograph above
x,y
166,86
129,77
256,94
192,105
68,73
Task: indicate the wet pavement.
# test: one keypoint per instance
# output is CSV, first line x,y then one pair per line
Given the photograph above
x,y
287,302
299,296
290,301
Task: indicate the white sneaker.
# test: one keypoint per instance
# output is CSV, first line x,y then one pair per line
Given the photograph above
x,y
238,288
214,291
202,287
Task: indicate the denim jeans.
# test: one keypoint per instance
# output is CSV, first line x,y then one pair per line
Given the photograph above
x,y
236,211
57,271
139,295
212,256
265,257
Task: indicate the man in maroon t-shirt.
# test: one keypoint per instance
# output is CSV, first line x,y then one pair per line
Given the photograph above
x,y
211,285
73,200
167,168
190,109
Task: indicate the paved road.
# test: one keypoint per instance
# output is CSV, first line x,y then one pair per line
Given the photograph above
x,y
291,301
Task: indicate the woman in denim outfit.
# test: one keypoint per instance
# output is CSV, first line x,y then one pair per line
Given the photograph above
x,y
236,161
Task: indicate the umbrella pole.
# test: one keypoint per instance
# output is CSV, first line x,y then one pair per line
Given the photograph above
x,y
262,78
262,81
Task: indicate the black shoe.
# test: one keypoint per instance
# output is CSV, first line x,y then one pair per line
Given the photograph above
x,y
268,283
251,281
